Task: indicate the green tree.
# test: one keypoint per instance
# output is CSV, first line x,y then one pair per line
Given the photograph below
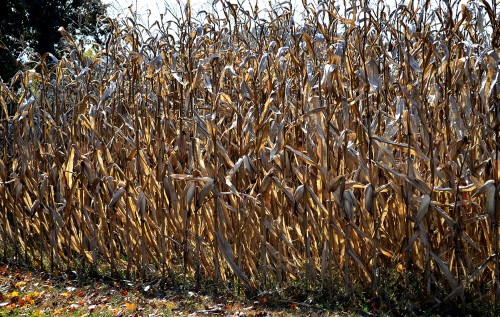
x,y
34,24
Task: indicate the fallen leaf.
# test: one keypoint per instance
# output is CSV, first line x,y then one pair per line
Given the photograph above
x,y
130,306
114,310
58,311
20,284
92,308
29,300
66,295
400,268
72,307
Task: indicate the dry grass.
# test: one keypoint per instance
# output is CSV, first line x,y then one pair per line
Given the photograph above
x,y
244,146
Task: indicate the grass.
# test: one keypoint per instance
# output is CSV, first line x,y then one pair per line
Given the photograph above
x,y
35,291
39,293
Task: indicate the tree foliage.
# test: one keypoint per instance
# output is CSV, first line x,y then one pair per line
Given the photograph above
x,y
34,24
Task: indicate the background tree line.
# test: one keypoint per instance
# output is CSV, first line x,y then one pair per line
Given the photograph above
x,y
33,24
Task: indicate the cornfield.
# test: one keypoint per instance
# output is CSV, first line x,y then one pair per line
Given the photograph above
x,y
241,145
